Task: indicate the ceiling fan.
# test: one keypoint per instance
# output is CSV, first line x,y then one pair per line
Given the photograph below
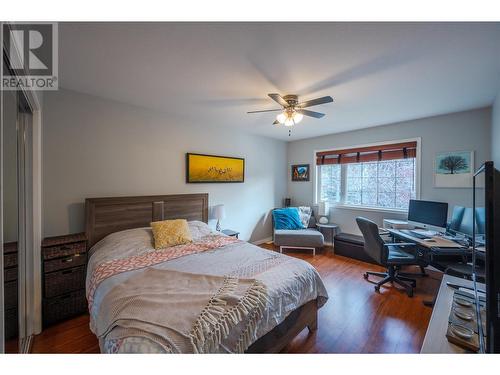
x,y
292,112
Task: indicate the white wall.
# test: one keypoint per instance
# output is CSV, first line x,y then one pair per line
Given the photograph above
x,y
94,147
495,132
468,130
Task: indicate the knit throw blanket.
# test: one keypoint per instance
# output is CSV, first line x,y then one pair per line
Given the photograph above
x,y
184,312
117,266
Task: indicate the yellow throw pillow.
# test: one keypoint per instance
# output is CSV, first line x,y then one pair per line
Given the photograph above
x,y
170,233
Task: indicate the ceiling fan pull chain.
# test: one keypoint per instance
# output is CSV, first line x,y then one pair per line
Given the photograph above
x,y
289,132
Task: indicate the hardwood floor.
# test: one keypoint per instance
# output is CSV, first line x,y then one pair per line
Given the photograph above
x,y
355,319
71,336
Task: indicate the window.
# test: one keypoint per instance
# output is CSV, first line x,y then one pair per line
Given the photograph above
x,y
330,183
356,178
387,184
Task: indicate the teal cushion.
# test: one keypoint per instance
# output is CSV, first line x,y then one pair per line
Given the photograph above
x,y
287,218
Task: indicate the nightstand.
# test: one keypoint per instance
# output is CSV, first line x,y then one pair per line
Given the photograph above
x,y
333,227
64,260
231,233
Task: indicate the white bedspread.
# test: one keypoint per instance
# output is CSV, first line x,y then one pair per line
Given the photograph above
x,y
290,282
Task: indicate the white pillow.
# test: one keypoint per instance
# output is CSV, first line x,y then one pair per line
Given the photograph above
x,y
198,229
305,215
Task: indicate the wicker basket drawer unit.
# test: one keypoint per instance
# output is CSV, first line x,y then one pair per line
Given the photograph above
x,y
63,263
10,274
64,281
58,251
10,254
10,294
64,270
11,323
64,306
10,290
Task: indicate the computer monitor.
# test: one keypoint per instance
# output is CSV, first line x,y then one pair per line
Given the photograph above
x,y
462,221
428,215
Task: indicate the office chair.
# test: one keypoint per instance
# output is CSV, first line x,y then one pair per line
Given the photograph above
x,y
389,255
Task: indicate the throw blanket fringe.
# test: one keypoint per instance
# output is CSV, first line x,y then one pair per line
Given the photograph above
x,y
212,326
183,312
255,296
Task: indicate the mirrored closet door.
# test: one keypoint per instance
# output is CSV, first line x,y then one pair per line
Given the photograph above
x,y
16,222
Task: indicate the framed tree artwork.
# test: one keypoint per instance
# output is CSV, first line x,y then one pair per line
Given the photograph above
x,y
300,172
454,169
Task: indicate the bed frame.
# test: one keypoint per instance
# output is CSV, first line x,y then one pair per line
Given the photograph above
x,y
113,214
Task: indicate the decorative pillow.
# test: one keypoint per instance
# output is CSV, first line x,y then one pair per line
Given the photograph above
x,y
170,233
199,229
287,218
305,215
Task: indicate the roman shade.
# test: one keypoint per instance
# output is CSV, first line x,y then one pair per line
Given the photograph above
x,y
393,151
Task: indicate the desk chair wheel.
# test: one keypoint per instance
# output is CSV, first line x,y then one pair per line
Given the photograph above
x,y
365,275
377,288
409,292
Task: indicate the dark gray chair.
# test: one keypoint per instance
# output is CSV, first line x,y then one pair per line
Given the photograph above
x,y
307,238
390,255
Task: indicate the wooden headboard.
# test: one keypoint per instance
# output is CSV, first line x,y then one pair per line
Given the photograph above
x,y
104,216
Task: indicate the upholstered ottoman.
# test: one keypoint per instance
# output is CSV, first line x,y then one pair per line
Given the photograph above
x,y
352,246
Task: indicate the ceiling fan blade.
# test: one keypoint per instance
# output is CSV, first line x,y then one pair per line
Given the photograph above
x,y
278,99
305,112
265,110
318,101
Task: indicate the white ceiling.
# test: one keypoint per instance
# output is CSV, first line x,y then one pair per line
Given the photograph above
x,y
214,73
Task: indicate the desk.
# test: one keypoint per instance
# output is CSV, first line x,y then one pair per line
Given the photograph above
x,y
437,242
437,253
435,338
439,245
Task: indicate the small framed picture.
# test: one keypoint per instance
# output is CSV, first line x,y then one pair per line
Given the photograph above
x,y
300,172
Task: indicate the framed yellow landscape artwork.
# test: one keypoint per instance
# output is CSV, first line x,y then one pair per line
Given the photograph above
x,y
202,168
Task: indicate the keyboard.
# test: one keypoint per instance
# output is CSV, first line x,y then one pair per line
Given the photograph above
x,y
414,234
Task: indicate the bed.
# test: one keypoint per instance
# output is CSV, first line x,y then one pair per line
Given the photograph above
x,y
142,300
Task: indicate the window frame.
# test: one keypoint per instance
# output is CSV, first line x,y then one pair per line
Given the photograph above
x,y
343,182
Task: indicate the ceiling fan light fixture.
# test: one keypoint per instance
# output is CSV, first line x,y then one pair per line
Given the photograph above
x,y
292,111
297,117
289,121
282,117
289,117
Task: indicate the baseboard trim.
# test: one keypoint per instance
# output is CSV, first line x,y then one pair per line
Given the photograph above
x,y
264,240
